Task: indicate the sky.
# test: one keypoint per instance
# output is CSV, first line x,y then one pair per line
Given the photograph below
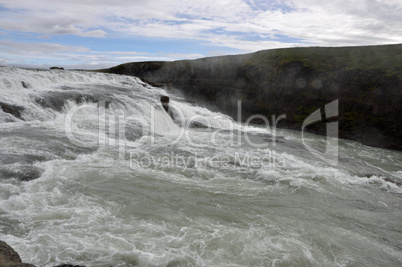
x,y
93,34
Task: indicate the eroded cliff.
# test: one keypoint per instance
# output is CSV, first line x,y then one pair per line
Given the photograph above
x,y
296,82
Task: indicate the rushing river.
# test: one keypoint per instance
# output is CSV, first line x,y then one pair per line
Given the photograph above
x,y
94,171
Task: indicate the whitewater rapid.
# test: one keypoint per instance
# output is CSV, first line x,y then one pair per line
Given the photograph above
x,y
94,171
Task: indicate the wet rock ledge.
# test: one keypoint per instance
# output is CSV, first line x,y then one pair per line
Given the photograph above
x,y
10,258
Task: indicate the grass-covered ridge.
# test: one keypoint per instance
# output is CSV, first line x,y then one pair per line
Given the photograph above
x,y
387,57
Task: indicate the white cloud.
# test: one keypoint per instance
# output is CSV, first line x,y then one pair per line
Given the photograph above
x,y
341,22
48,26
3,62
245,25
17,48
46,37
74,57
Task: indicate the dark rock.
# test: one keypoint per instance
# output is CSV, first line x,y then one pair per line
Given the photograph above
x,y
8,254
198,125
12,109
398,183
167,86
28,173
165,102
56,68
24,84
10,258
22,173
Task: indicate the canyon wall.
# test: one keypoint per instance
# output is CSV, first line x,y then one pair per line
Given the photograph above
x,y
366,81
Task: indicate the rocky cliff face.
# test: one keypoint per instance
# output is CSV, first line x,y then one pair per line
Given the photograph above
x,y
367,81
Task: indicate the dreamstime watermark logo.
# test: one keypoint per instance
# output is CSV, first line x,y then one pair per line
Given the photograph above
x,y
114,126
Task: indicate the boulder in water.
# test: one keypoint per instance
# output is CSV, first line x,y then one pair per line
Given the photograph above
x,y
22,172
165,102
12,109
25,85
10,258
28,173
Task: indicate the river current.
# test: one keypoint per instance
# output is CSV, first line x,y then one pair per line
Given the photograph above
x,y
94,171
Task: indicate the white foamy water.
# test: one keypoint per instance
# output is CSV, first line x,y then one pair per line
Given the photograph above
x,y
93,171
